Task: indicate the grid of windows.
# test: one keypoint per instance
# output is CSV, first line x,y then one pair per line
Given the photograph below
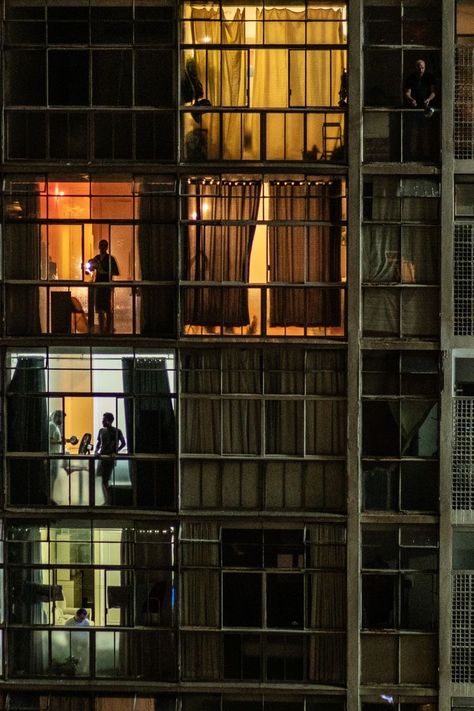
x,y
231,111
259,256
61,102
56,451
230,433
123,576
287,582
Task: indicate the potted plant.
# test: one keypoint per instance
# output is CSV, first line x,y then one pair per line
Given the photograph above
x,y
65,667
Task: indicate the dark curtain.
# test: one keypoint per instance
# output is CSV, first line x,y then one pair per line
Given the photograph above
x,y
219,251
27,426
22,261
157,253
150,425
300,253
149,419
31,652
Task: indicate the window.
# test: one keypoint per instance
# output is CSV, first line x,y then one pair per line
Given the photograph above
x,y
65,285
122,577
256,423
65,74
282,577
392,31
400,431
399,593
401,247
272,121
462,484
56,406
463,245
281,244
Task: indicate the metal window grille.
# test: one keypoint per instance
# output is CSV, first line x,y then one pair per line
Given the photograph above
x,y
464,280
462,639
464,103
463,454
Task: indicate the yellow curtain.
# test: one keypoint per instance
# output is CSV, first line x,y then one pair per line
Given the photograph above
x,y
223,76
295,78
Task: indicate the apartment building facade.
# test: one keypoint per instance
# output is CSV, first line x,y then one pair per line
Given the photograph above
x,y
228,225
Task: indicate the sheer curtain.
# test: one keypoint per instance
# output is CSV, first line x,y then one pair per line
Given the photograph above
x,y
220,252
285,78
200,599
305,253
223,77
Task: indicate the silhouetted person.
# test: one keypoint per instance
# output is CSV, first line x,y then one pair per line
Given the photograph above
x,y
105,267
110,441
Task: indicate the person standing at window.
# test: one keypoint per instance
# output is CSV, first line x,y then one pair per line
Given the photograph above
x,y
420,92
106,268
110,441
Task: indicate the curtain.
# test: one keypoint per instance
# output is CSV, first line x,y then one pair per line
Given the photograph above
x,y
149,414
284,417
241,416
326,372
27,428
22,261
327,603
157,254
285,78
200,599
401,254
200,416
149,419
31,652
220,252
299,254
223,78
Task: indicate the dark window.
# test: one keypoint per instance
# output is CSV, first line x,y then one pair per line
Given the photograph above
x,y
112,77
68,77
25,77
153,78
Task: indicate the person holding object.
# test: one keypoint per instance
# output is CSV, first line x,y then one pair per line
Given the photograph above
x,y
106,268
